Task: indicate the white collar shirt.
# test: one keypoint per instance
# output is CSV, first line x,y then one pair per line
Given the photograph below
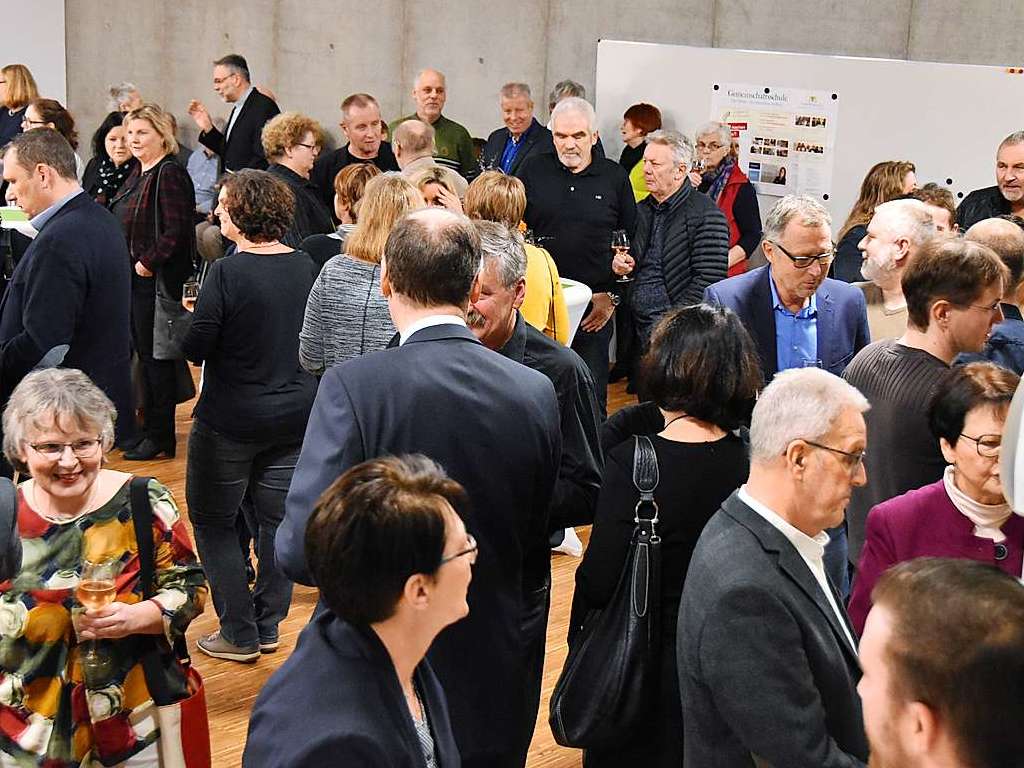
x,y
428,322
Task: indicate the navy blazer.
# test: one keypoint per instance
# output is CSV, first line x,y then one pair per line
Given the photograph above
x,y
244,148
765,668
537,142
842,318
337,701
68,304
493,425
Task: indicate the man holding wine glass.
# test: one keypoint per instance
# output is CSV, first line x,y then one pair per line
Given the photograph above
x,y
682,238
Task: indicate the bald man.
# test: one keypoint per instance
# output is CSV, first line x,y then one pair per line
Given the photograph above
x,y
453,145
1005,344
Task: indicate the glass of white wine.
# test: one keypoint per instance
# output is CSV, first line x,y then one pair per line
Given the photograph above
x,y
97,587
189,294
620,247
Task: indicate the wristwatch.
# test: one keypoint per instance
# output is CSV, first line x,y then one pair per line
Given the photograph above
x,y
615,298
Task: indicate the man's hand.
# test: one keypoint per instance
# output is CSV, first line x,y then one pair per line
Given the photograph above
x,y
200,115
623,264
120,620
141,271
601,311
695,178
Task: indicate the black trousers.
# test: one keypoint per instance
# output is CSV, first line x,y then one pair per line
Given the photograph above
x,y
158,376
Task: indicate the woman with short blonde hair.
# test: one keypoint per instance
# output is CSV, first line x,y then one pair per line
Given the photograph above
x,y
17,89
346,315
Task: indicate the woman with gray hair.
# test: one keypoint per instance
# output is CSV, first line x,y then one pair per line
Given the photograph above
x,y
716,172
74,643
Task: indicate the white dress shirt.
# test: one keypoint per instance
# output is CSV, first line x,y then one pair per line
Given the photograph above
x,y
812,550
427,322
236,110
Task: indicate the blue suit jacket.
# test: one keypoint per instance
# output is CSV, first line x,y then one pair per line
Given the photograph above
x,y
68,303
337,701
493,425
842,318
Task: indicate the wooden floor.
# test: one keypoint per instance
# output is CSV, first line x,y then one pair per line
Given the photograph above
x,y
231,688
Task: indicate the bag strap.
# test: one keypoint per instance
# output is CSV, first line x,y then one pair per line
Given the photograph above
x,y
142,520
645,477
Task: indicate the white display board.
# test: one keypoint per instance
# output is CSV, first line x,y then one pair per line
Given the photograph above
x,y
947,119
33,35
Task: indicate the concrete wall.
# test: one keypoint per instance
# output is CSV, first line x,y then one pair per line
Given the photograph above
x,y
312,53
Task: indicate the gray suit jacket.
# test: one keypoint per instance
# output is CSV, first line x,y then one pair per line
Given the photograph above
x,y
767,677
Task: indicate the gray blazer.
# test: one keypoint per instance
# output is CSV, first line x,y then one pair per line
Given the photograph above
x,y
767,676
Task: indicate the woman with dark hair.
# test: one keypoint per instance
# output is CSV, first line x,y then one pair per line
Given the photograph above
x,y
252,413
885,181
393,562
111,162
962,515
349,185
48,113
702,370
17,89
156,205
637,121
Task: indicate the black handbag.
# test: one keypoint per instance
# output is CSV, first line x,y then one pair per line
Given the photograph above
x,y
604,690
171,321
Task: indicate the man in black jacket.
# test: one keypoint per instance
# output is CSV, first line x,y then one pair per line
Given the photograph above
x,y
522,136
1007,196
241,145
682,238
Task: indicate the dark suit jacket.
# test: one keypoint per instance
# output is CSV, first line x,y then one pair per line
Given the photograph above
x,y
337,701
537,141
244,148
493,425
764,666
68,304
842,318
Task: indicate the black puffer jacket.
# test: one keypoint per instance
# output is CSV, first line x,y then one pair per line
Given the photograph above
x,y
695,253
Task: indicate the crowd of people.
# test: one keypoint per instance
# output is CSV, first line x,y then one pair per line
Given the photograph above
x,y
395,407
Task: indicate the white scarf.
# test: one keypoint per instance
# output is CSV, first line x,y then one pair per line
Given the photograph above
x,y
988,519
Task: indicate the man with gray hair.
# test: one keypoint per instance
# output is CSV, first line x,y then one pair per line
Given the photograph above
x,y
895,234
767,656
453,145
522,136
413,142
495,319
1007,196
68,301
682,237
573,203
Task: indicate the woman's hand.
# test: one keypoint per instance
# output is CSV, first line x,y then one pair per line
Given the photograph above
x,y
449,200
141,271
120,620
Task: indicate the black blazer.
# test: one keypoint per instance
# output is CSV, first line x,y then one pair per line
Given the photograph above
x,y
537,141
337,701
493,424
244,149
764,666
68,303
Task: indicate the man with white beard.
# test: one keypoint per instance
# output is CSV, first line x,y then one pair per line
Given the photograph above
x,y
896,233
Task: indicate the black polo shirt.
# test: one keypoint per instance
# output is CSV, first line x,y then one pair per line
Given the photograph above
x,y
327,167
572,215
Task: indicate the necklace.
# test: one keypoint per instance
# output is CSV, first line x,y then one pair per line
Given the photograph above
x,y
415,704
265,245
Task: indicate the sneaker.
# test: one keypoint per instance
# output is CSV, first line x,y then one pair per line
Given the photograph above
x,y
571,544
268,645
216,646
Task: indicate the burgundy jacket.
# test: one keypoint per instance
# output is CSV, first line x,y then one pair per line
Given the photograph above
x,y
924,523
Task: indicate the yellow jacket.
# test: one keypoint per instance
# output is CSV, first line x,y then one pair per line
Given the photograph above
x,y
544,307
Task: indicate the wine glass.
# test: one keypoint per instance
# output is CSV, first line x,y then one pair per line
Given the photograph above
x,y
189,294
620,247
97,587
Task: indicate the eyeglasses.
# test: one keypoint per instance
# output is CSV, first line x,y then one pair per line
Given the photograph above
x,y
471,549
219,80
311,147
995,307
702,147
987,445
82,449
26,121
854,459
803,262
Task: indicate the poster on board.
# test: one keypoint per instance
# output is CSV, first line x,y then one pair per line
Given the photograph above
x,y
785,136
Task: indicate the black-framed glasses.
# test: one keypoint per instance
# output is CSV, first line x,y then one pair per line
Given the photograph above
x,y
28,121
803,262
82,449
471,549
311,147
988,446
854,459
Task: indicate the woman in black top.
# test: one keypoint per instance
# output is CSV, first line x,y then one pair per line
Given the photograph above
x,y
17,89
292,142
252,413
702,370
111,161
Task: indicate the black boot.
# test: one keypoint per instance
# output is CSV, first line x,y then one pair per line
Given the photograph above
x,y
147,450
